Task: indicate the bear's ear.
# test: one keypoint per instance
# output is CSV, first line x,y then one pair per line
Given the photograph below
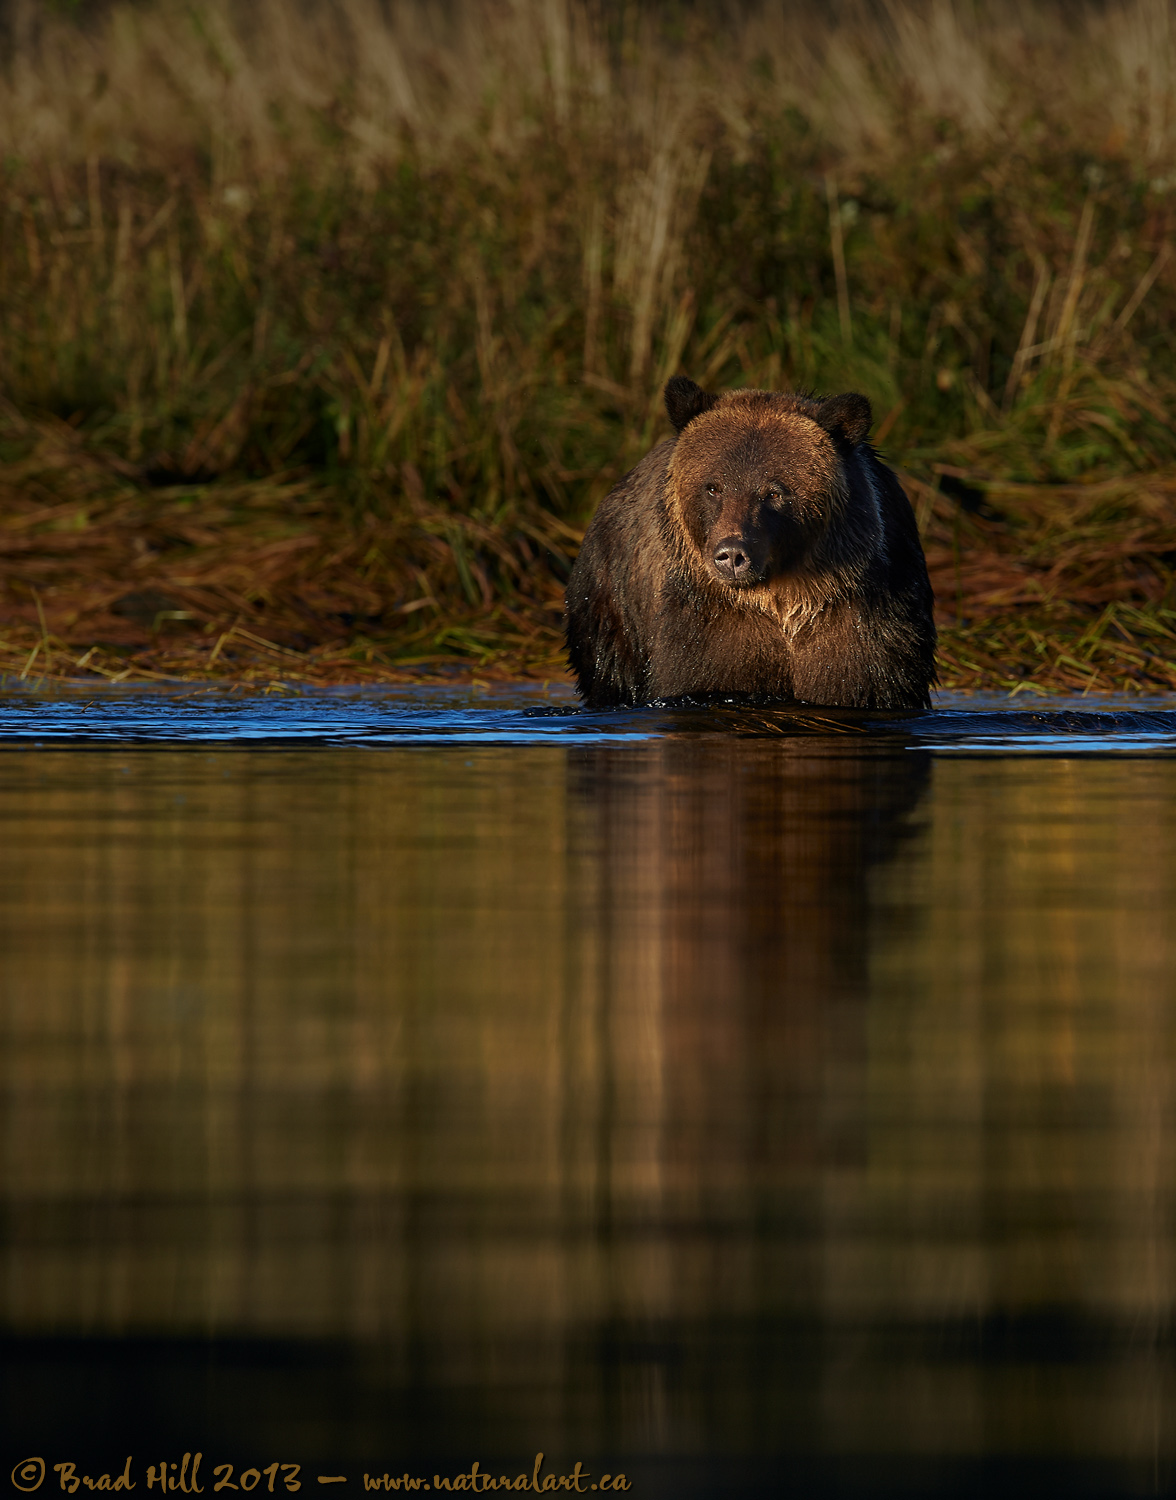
x,y
685,401
846,417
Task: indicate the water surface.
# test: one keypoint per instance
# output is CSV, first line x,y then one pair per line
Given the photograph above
x,y
754,1102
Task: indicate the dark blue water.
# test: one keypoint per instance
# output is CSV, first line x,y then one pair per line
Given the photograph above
x,y
460,715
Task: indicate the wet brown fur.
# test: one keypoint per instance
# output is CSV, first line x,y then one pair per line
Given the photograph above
x,y
834,606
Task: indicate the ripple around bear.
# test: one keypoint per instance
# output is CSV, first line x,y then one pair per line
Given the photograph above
x,y
765,550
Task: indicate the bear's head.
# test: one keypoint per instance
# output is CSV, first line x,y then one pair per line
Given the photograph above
x,y
768,485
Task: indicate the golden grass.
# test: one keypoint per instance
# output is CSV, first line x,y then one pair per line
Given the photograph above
x,y
323,328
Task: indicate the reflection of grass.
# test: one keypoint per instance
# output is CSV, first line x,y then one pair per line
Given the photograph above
x,y
325,330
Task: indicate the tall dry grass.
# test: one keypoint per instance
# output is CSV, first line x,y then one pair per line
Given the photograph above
x,y
429,266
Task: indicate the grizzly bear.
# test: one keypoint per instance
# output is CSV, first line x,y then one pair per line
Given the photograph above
x,y
766,550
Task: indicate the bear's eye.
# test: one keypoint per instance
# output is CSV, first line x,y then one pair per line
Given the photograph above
x,y
713,488
776,494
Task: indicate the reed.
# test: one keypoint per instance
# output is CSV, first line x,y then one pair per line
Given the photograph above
x,y
323,328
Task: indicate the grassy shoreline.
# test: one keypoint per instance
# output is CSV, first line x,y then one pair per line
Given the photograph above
x,y
323,329
256,583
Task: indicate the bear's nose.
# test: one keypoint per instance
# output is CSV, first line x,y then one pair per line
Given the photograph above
x,y
733,560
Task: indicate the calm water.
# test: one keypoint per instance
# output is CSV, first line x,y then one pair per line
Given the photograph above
x,y
750,1102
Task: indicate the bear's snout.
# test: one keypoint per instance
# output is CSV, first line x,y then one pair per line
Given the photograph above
x,y
735,562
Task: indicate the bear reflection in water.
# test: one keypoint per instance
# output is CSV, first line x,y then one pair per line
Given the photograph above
x,y
732,924
765,550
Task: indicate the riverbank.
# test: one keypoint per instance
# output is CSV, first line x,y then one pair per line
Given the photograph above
x,y
107,577
324,329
